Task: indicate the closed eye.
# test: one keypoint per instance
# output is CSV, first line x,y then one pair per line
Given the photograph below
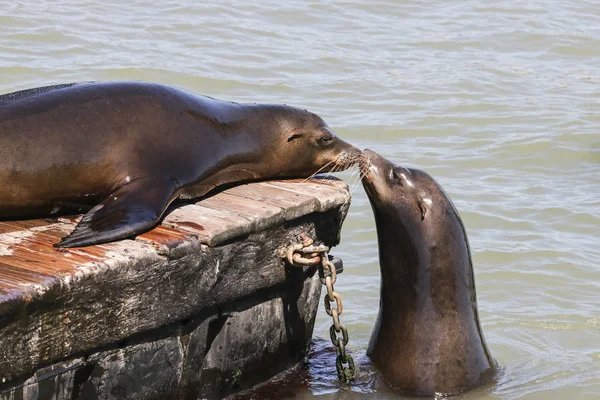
x,y
327,139
294,136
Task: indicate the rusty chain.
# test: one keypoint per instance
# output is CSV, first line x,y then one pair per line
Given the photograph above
x,y
306,254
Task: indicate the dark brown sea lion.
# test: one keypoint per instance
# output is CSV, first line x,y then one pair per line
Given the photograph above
x,y
129,149
427,339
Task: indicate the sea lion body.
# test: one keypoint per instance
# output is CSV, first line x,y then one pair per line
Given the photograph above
x,y
427,339
129,149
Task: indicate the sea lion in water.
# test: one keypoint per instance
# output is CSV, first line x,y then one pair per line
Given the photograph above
x,y
427,339
128,149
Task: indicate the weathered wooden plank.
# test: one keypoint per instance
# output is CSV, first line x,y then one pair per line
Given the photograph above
x,y
210,225
260,214
247,208
5,228
12,272
329,195
56,303
30,249
164,238
32,223
293,206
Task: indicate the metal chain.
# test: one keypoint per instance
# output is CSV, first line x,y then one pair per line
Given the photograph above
x,y
305,254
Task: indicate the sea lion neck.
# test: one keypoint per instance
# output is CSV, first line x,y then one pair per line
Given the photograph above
x,y
408,262
398,256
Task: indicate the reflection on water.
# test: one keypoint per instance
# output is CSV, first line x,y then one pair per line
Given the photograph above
x,y
497,100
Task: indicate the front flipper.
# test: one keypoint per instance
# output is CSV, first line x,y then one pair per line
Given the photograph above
x,y
132,209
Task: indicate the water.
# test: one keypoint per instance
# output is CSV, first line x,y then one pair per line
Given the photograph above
x,y
497,100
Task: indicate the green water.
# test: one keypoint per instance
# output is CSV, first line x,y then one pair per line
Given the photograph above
x,y
499,101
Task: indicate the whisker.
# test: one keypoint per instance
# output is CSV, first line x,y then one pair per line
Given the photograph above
x,y
336,168
353,174
354,183
319,170
344,162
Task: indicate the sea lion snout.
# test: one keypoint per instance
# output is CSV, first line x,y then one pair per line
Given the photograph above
x,y
368,162
381,177
336,155
369,172
376,167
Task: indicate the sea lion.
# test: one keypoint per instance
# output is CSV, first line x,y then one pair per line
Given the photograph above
x,y
427,339
128,149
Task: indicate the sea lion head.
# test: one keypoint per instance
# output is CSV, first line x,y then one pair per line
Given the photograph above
x,y
407,195
304,144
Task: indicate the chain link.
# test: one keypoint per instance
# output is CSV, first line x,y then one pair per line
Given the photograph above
x,y
306,254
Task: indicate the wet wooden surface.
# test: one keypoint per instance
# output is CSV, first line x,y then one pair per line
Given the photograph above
x,y
59,305
29,261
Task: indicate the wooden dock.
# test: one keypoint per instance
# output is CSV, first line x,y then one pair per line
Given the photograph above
x,y
202,306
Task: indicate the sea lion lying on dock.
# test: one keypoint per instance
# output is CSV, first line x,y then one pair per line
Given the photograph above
x,y
128,149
